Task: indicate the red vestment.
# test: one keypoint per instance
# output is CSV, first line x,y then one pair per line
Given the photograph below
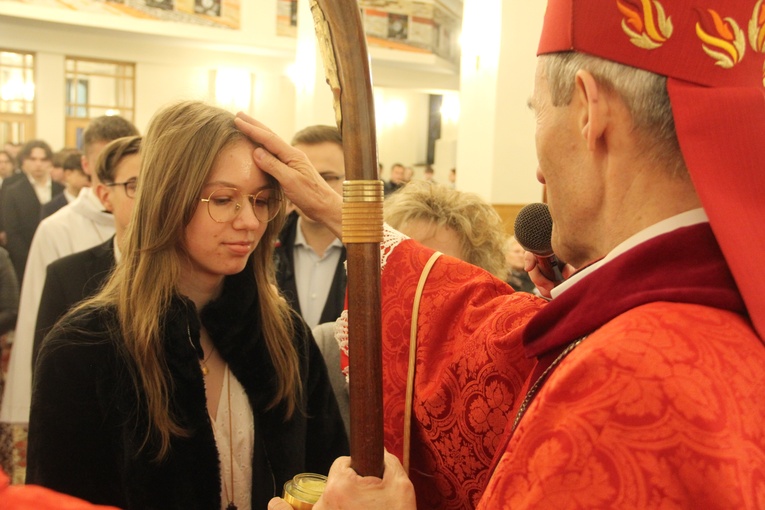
x,y
661,406
470,369
33,497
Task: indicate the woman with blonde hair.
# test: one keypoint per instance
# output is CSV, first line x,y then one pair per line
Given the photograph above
x,y
187,381
456,223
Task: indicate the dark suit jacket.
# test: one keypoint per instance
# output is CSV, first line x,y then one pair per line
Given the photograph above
x,y
54,205
285,274
7,182
21,215
9,294
68,281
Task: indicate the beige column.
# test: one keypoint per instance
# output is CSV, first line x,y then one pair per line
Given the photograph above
x,y
495,141
313,98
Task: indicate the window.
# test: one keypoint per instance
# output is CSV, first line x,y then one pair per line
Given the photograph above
x,y
17,96
95,88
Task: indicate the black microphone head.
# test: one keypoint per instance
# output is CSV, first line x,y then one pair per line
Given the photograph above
x,y
533,229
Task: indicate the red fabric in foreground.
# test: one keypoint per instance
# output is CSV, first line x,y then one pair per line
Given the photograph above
x,y
33,497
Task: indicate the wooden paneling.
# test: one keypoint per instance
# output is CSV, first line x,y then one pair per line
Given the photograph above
x,y
508,212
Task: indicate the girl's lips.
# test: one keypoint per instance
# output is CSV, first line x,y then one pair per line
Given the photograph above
x,y
243,248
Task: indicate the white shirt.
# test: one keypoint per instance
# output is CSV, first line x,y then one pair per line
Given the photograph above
x,y
686,219
241,445
314,275
75,227
69,197
43,191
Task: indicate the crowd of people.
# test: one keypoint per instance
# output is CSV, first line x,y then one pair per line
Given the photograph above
x,y
176,302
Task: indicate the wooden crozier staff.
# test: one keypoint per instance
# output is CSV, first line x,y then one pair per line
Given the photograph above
x,y
344,50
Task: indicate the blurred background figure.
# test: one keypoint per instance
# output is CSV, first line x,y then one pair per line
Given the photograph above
x,y
455,223
428,175
13,149
452,178
397,176
9,172
516,276
57,165
310,260
23,200
408,174
7,165
57,161
9,294
9,307
74,179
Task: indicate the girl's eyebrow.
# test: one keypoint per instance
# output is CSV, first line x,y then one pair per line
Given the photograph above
x,y
226,184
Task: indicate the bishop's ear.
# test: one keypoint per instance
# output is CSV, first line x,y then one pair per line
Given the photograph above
x,y
593,106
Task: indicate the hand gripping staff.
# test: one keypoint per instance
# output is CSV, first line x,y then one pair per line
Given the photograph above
x,y
346,63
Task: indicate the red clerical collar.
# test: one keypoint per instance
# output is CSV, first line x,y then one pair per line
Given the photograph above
x,y
682,266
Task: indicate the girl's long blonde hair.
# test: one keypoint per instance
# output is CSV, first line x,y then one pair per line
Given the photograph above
x,y
177,155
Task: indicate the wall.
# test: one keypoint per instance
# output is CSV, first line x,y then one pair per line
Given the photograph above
x,y
168,70
402,127
165,69
175,62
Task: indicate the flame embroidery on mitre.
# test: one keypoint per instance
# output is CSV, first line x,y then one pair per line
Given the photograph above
x,y
757,28
643,28
727,45
757,32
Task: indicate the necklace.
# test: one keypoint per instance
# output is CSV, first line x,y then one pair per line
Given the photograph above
x,y
202,359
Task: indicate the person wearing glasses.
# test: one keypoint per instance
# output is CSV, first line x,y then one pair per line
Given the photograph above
x,y
187,381
77,226
310,259
71,279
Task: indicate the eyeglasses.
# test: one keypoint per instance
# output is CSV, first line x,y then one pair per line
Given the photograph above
x,y
225,204
130,187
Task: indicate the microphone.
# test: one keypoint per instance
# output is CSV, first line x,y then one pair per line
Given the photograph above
x,y
533,230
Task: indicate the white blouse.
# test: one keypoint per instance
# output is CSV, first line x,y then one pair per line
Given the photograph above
x,y
237,440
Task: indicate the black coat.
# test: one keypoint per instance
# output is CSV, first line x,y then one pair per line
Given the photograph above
x,y
86,428
68,281
284,258
54,205
21,215
9,294
14,177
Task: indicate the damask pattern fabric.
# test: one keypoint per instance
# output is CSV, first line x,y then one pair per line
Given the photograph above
x,y
661,408
470,370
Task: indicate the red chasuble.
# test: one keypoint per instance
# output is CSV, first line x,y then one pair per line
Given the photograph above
x,y
470,369
661,406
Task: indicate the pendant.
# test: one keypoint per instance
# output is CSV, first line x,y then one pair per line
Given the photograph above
x,y
205,370
231,506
